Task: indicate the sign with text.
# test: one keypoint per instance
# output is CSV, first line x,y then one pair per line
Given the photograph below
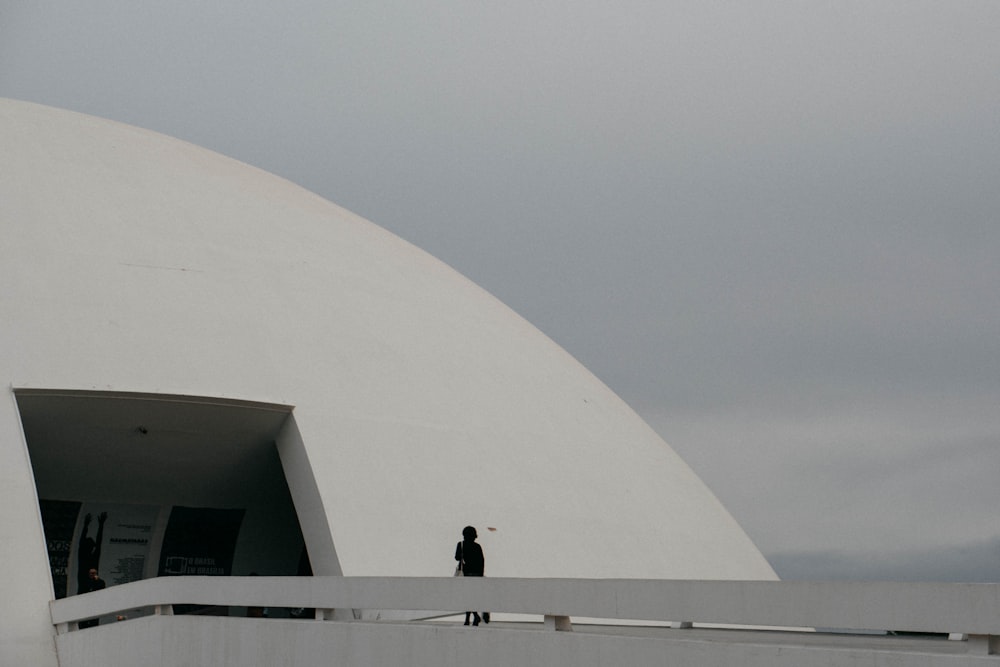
x,y
115,540
200,541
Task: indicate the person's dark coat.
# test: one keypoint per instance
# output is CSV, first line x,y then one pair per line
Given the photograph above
x,y
472,554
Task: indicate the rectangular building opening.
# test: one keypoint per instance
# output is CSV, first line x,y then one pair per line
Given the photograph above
x,y
143,485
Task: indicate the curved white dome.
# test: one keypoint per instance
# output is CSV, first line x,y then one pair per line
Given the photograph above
x,y
134,262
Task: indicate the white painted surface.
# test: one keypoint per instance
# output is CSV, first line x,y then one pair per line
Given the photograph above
x,y
25,626
133,262
225,642
973,608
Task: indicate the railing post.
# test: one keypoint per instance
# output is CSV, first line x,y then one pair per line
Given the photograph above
x,y
559,623
984,644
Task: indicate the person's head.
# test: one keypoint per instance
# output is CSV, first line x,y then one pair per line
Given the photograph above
x,y
469,533
92,573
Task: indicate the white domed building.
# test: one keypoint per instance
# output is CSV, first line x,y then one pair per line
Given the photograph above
x,y
230,375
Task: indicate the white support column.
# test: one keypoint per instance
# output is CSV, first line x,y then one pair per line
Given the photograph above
x,y
559,623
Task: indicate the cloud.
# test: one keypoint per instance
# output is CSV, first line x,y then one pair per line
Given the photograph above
x,y
970,562
863,476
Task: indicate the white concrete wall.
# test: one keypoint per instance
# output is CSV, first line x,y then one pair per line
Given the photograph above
x,y
25,625
222,642
133,262
898,606
302,485
969,608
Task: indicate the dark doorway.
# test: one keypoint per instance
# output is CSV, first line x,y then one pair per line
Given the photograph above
x,y
136,464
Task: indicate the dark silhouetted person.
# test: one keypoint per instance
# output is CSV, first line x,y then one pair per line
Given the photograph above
x,y
94,583
473,563
88,555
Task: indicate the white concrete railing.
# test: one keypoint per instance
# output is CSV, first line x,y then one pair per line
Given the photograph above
x,y
969,609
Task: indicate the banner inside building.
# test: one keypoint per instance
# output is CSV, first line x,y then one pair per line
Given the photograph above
x,y
125,543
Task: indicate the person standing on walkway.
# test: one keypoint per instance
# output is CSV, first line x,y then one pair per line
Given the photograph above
x,y
473,563
94,583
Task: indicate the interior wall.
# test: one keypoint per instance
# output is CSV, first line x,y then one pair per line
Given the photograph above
x,y
270,541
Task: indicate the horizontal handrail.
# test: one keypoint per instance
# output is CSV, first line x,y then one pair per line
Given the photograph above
x,y
972,609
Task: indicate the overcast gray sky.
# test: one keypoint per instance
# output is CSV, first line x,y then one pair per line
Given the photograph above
x,y
771,227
